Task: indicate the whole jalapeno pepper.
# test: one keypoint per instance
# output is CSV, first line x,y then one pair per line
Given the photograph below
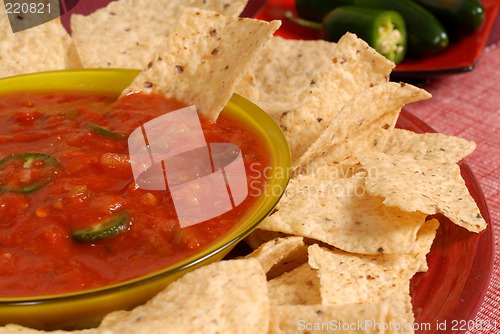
x,y
460,18
426,35
383,30
316,10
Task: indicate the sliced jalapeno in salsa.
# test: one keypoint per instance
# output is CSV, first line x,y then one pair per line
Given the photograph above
x,y
105,229
384,30
27,172
105,132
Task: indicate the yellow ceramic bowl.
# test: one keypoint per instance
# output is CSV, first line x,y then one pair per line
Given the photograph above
x,y
84,309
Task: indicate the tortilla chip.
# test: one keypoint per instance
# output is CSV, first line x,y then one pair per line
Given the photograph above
x,y
259,237
373,138
357,115
280,255
347,278
429,146
355,67
339,212
282,71
27,18
294,259
401,310
204,59
393,314
45,47
325,166
420,185
311,319
298,287
223,297
17,329
425,238
224,7
127,33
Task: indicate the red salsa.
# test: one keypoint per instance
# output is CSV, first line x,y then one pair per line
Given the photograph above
x,y
65,173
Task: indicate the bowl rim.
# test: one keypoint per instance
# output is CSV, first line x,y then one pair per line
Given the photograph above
x,y
108,81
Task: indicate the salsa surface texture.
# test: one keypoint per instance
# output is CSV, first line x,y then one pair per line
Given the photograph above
x,y
91,183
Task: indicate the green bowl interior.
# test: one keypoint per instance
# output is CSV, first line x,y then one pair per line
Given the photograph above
x,y
113,82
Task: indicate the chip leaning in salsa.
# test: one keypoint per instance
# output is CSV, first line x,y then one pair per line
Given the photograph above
x,y
72,216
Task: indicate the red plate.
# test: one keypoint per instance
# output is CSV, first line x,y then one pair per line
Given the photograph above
x,y
458,57
460,265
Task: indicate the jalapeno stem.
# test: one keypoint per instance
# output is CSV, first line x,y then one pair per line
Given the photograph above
x,y
304,23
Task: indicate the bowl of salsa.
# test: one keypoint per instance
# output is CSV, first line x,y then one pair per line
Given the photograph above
x,y
81,234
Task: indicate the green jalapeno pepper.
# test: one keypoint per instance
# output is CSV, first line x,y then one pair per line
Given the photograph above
x,y
382,29
460,18
105,132
316,10
426,35
104,229
26,172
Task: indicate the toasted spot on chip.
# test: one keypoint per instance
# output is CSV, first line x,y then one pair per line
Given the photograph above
x,y
189,72
420,185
